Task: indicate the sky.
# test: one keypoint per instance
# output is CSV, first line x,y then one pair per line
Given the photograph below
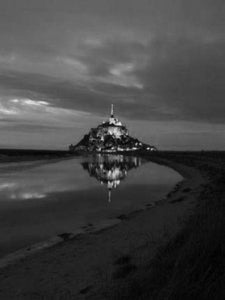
x,y
160,62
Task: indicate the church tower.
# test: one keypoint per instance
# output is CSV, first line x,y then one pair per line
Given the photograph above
x,y
112,119
112,113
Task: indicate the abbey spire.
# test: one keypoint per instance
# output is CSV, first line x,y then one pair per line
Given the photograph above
x,y
112,113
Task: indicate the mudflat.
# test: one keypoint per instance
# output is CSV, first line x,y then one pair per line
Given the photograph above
x,y
95,264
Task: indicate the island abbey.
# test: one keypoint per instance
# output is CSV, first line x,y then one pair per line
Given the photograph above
x,y
112,127
109,137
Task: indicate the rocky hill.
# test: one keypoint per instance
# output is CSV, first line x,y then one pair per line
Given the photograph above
x,y
110,136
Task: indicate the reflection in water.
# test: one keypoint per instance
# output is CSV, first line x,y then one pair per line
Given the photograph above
x,y
64,177
38,202
111,169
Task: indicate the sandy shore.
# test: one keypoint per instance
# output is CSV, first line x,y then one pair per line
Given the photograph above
x,y
93,265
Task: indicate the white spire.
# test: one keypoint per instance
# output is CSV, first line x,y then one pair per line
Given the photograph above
x,y
112,119
112,113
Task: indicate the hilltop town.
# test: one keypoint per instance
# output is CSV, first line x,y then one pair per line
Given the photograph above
x,y
109,137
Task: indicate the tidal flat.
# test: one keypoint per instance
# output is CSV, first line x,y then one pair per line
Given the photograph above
x,y
44,200
172,249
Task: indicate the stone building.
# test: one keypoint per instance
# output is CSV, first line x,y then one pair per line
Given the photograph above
x,y
110,136
112,127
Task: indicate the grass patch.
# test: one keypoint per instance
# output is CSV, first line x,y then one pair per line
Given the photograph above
x,y
186,190
180,199
192,265
125,259
85,290
124,270
65,236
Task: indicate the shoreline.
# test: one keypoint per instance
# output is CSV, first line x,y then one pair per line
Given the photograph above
x,y
174,197
12,257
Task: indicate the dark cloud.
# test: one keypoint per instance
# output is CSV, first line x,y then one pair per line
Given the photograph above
x,y
188,75
155,59
182,79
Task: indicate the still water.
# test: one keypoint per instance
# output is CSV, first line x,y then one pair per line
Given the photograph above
x,y
39,200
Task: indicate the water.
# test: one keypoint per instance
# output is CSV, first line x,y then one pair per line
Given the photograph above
x,y
41,200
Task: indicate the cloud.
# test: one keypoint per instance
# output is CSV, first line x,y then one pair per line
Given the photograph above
x,y
156,60
167,78
26,113
187,75
29,102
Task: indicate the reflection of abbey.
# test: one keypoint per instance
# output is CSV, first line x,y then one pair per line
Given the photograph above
x,y
110,136
111,169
